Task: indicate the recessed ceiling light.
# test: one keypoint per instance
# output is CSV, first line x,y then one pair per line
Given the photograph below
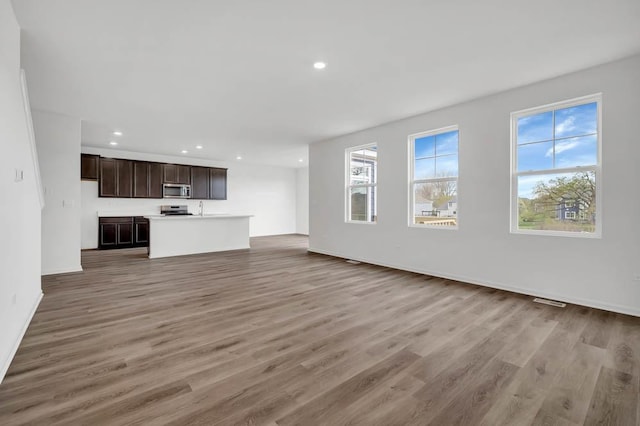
x,y
184,151
300,160
198,146
238,157
319,65
114,143
117,133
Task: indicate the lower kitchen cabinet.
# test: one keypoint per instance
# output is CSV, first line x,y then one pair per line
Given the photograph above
x,y
140,232
122,232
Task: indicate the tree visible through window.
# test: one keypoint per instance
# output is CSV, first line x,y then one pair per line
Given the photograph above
x,y
556,168
362,175
434,178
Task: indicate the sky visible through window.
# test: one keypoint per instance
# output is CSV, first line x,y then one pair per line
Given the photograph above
x,y
436,156
557,139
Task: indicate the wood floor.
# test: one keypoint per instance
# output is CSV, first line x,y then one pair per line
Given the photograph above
x,y
277,336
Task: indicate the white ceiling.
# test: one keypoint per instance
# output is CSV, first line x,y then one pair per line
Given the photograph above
x,y
237,76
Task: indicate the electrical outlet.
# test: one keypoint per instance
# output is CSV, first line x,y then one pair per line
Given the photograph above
x,y
19,175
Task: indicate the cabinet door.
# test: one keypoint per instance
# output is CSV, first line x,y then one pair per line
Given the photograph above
x,y
140,232
115,232
177,173
200,183
125,178
155,180
108,178
89,166
170,173
217,184
108,235
125,234
184,174
140,179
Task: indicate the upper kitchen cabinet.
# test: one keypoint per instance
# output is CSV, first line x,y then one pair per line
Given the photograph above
x,y
108,178
147,179
140,179
89,166
125,178
177,173
217,184
155,180
116,178
200,183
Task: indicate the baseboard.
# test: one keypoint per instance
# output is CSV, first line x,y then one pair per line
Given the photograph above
x,y
627,310
16,345
63,271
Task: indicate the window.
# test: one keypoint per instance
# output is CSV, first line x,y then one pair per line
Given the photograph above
x,y
362,176
556,169
434,178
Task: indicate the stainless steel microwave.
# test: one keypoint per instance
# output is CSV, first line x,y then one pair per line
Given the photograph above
x,y
171,190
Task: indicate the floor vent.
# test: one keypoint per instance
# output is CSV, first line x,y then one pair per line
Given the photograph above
x,y
353,262
550,302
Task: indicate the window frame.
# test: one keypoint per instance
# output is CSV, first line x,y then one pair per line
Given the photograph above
x,y
349,186
412,182
597,168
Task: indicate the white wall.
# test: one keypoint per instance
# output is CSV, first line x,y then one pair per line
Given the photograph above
x,y
267,192
58,141
302,201
595,272
20,289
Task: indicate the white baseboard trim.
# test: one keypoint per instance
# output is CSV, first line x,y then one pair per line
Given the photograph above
x,y
63,270
622,309
16,345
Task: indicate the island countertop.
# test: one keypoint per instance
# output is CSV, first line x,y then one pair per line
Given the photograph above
x,y
197,217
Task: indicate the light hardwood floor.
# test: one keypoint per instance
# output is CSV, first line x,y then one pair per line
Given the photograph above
x,y
277,336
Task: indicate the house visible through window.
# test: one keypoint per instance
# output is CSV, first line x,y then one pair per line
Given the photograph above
x,y
434,178
362,175
556,168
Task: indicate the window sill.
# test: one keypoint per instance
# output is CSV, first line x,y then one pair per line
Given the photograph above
x,y
590,235
360,222
425,226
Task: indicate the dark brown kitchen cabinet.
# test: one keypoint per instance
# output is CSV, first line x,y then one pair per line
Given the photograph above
x,y
108,178
125,178
200,183
144,179
147,179
177,173
140,232
89,166
140,179
116,178
115,232
123,232
155,180
217,184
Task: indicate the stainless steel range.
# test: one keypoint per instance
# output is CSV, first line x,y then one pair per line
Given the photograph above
x,y
173,210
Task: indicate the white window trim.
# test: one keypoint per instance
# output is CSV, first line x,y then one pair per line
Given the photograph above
x,y
597,168
348,185
410,145
569,214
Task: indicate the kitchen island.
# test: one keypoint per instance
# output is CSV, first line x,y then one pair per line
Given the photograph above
x,y
181,235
